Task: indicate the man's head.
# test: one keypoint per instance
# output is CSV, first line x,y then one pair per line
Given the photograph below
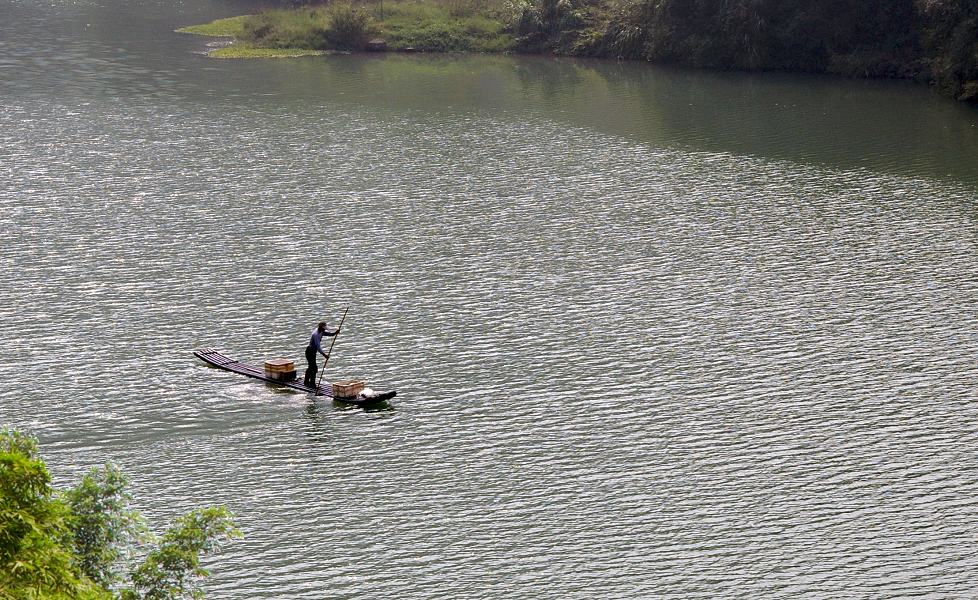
x,y
322,326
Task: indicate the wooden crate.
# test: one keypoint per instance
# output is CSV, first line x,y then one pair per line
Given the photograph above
x,y
280,369
348,389
279,365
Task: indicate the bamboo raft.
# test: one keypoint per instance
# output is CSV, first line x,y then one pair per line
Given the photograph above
x,y
216,359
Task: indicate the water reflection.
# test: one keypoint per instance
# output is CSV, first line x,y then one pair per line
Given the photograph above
x,y
891,127
317,421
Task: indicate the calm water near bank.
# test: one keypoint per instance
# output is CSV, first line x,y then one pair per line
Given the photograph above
x,y
655,333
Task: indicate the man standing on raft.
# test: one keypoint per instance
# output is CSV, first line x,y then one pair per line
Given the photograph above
x,y
316,346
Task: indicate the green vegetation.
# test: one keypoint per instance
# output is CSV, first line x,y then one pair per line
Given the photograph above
x,y
230,27
950,46
406,24
442,28
60,545
246,51
933,41
927,40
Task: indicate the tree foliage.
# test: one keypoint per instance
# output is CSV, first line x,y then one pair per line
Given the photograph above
x,y
60,545
930,40
172,569
35,556
951,40
101,523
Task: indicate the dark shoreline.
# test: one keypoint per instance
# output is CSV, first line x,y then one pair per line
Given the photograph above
x,y
933,43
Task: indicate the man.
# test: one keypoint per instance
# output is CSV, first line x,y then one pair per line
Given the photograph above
x,y
316,346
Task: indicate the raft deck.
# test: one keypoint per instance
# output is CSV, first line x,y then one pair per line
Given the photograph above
x,y
215,358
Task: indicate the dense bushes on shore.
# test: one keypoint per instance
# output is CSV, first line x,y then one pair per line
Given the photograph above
x,y
950,46
337,26
928,40
932,41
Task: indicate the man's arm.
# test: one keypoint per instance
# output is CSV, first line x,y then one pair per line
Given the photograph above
x,y
328,333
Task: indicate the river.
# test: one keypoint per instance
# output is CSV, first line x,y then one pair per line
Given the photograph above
x,y
655,333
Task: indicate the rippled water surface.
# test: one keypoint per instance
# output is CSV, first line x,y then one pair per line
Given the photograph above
x,y
654,333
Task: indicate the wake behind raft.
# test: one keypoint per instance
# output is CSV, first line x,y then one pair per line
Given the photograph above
x,y
282,372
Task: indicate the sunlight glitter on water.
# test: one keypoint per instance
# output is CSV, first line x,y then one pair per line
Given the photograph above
x,y
624,368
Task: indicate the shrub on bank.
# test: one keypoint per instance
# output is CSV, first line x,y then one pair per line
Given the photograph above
x,y
300,28
335,27
433,28
349,27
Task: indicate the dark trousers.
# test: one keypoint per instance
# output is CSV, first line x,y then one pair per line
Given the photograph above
x,y
311,358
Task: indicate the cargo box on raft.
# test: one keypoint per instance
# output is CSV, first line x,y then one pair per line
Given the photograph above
x,y
348,389
280,369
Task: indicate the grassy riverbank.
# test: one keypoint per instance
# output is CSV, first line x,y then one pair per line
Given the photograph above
x,y
234,27
230,27
406,25
933,41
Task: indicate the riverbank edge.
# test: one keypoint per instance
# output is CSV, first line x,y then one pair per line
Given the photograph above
x,y
229,29
236,48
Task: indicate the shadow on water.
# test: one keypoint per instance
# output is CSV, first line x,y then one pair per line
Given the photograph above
x,y
318,428
884,126
889,126
318,412
381,406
